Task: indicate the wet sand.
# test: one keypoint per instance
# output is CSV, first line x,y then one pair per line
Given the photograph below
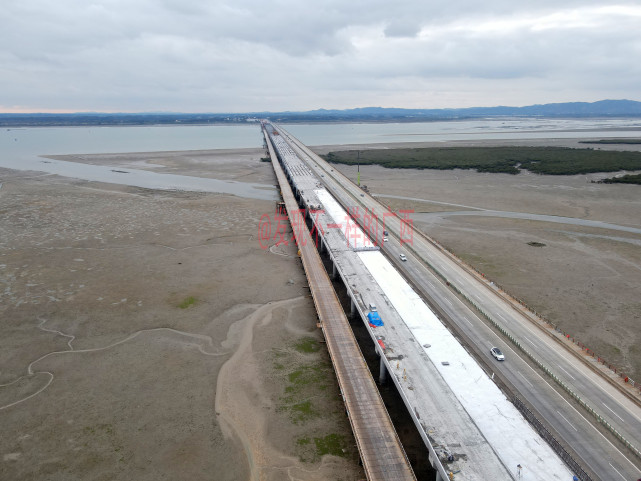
x,y
142,331
147,335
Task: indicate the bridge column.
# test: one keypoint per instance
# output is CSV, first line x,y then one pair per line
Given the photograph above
x,y
382,371
438,476
334,270
352,307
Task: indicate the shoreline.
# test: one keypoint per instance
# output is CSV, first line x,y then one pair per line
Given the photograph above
x,y
101,262
551,142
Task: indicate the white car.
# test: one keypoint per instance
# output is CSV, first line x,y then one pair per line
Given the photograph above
x,y
402,257
385,239
498,355
372,307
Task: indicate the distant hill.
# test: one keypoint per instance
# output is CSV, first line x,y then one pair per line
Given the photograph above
x,y
602,108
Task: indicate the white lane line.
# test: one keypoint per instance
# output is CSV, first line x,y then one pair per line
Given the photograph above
x,y
612,411
569,422
587,423
468,321
529,340
524,378
583,369
501,317
622,477
448,301
566,372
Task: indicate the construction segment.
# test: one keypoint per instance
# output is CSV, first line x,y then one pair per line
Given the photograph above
x,y
470,429
378,444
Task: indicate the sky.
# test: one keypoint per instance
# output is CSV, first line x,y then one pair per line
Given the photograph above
x,y
292,55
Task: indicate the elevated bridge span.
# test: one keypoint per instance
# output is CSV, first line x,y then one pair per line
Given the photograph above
x,y
471,431
380,449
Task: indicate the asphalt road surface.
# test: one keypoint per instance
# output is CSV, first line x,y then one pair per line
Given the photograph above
x,y
576,428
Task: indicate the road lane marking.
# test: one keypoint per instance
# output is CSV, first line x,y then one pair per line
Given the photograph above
x,y
553,389
623,477
448,301
568,422
587,423
529,340
597,382
468,321
525,379
566,372
612,411
501,317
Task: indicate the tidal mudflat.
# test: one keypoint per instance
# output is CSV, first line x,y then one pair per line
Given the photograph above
x,y
146,334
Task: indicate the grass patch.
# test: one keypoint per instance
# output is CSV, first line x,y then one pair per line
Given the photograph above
x,y
305,383
612,141
307,345
187,302
309,374
303,411
536,244
334,444
312,450
308,402
624,179
508,160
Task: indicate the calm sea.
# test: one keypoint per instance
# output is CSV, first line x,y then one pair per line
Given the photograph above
x,y
22,142
490,129
20,148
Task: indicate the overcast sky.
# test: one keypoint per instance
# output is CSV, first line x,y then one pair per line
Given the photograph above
x,y
248,56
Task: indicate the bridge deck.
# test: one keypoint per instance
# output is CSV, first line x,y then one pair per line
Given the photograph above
x,y
380,449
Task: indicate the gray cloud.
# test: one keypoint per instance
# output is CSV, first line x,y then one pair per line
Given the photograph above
x,y
188,55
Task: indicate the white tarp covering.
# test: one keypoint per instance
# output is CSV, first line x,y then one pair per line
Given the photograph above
x,y
512,438
353,234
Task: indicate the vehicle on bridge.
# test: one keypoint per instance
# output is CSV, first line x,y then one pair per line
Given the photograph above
x,y
374,319
498,355
403,257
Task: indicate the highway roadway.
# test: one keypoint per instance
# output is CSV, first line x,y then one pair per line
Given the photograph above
x,y
574,425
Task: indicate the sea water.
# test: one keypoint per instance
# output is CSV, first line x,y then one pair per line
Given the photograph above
x,y
23,148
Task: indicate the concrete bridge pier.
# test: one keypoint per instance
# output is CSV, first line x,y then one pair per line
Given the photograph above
x,y
382,370
352,310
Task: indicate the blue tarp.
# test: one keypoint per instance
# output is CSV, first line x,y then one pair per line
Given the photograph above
x,y
374,319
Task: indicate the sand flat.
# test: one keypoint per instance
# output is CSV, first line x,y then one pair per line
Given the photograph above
x,y
120,308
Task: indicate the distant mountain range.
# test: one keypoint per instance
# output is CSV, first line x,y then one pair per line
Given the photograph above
x,y
603,108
